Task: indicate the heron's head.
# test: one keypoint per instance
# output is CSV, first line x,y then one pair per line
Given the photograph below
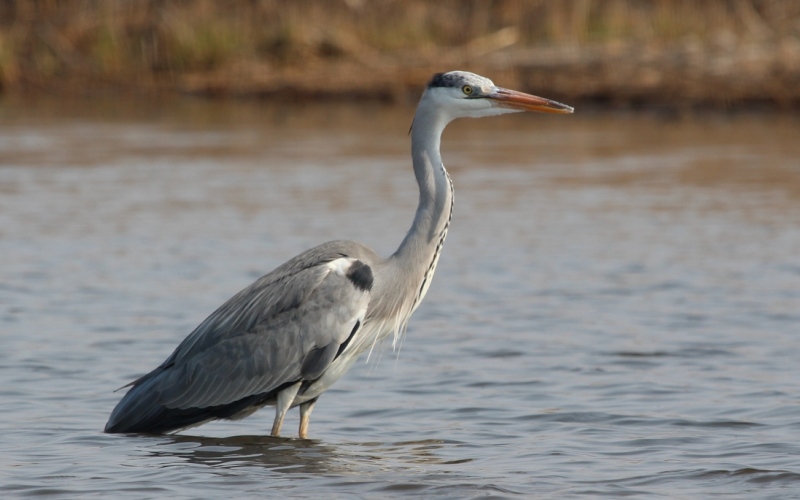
x,y
463,94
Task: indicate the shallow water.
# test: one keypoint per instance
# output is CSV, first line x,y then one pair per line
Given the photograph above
x,y
616,312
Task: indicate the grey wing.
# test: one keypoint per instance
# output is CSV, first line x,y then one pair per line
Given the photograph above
x,y
287,326
294,343
284,289
308,315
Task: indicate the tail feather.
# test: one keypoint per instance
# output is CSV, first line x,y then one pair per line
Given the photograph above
x,y
139,411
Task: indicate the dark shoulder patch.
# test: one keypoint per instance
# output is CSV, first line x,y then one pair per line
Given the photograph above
x,y
360,275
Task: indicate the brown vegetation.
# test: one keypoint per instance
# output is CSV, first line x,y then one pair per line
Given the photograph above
x,y
672,52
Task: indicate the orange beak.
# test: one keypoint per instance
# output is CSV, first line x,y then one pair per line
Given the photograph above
x,y
506,98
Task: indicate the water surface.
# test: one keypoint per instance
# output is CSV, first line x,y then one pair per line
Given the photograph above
x,y
615,313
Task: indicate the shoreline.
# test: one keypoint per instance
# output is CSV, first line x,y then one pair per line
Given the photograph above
x,y
618,76
672,55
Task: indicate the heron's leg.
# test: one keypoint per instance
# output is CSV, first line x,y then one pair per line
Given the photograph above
x,y
285,399
305,414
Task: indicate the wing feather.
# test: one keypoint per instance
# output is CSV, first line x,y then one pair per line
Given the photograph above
x,y
255,343
267,353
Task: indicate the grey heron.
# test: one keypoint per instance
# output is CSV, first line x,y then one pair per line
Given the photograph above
x,y
285,339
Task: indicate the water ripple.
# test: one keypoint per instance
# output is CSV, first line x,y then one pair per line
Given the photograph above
x,y
600,324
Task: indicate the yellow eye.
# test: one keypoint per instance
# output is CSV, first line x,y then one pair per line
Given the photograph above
x,y
466,89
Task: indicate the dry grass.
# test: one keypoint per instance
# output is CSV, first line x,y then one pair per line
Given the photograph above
x,y
363,47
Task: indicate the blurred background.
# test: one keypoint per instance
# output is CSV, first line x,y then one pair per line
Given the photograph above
x,y
674,53
617,305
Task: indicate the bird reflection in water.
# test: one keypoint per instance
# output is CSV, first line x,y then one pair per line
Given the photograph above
x,y
304,456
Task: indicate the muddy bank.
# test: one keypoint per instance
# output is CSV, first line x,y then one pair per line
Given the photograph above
x,y
682,76
670,53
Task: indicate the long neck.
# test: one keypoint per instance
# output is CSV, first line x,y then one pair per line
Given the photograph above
x,y
402,280
419,252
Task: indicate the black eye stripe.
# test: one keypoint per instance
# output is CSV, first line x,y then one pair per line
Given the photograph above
x,y
443,80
